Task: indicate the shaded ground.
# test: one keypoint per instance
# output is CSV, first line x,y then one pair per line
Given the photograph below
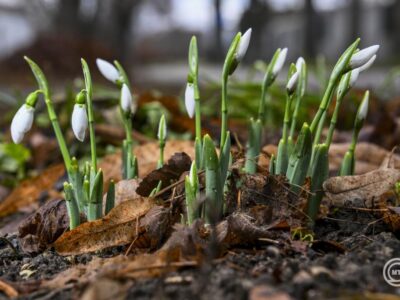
x,y
268,268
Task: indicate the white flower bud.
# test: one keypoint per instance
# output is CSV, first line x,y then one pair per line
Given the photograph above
x,y
363,110
299,64
107,70
291,85
162,129
189,99
353,77
368,64
126,100
79,121
243,45
22,122
363,56
280,61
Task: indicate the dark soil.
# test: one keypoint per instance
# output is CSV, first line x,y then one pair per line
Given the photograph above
x,y
303,272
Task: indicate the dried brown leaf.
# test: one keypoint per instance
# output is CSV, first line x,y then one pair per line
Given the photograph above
x,y
29,190
239,229
125,190
361,190
43,227
119,227
147,155
169,172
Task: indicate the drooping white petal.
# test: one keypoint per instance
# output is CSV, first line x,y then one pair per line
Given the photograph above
x,y
280,61
368,64
162,129
299,64
353,77
22,122
243,45
363,56
363,110
107,70
79,121
189,99
126,99
291,85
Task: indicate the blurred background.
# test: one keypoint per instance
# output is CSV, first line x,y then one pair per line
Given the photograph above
x,y
152,36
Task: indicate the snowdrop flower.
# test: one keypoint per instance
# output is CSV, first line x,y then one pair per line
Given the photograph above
x,y
368,64
362,111
291,85
126,100
79,121
243,45
107,70
162,129
280,61
354,76
356,72
299,64
22,122
363,56
189,99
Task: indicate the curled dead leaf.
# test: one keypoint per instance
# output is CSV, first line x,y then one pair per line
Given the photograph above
x,y
361,190
239,229
169,172
119,227
40,229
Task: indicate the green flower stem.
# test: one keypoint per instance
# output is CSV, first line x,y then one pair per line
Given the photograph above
x,y
333,122
340,68
229,67
161,159
198,147
300,92
197,114
263,100
128,168
43,85
89,104
224,111
320,128
286,119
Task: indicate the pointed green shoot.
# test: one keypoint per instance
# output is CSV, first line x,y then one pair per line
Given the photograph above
x,y
300,159
110,199
72,206
319,173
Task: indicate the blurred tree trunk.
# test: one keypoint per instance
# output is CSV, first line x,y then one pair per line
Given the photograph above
x,y
310,29
216,53
392,24
115,28
67,15
355,18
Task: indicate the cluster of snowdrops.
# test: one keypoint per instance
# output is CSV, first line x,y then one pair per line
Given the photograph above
x,y
301,153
